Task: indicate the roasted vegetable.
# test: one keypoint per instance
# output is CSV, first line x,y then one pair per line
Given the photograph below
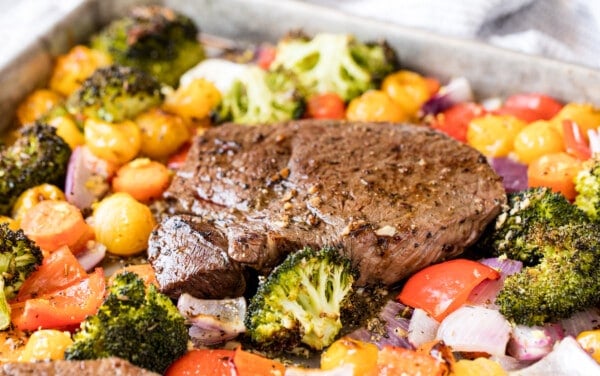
x,y
19,257
335,63
37,156
155,39
114,94
587,185
136,323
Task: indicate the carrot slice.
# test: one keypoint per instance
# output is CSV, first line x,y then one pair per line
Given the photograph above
x,y
143,179
249,364
58,270
557,171
53,224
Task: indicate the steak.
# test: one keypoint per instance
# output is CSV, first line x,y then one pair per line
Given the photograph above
x,y
106,366
393,197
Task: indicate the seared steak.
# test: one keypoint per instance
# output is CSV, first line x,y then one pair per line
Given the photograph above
x,y
106,366
394,197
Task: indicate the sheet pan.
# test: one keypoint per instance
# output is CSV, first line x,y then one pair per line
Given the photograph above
x,y
492,71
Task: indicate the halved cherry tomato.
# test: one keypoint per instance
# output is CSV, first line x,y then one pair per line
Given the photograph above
x,y
58,270
525,114
455,120
543,106
326,106
557,171
62,308
442,288
204,362
575,142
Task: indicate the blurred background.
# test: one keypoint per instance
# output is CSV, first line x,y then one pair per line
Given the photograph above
x,y
566,30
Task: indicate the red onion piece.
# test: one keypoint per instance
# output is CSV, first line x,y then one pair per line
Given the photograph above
x,y
422,328
513,173
92,255
87,178
213,321
533,342
458,90
566,358
475,329
396,328
485,293
588,319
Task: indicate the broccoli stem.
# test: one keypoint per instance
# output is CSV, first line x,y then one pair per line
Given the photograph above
x,y
4,307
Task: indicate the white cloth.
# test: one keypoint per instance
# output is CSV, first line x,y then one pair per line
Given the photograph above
x,y
566,30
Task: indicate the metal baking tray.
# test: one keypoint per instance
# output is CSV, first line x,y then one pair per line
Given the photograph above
x,y
492,71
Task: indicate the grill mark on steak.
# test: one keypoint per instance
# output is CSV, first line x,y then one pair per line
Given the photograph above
x,y
394,197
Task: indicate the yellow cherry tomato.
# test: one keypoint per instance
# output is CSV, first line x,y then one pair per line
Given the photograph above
x,y
162,133
74,67
37,104
46,344
194,101
477,367
494,135
114,142
374,105
123,224
409,89
68,130
585,115
33,196
590,341
536,139
362,355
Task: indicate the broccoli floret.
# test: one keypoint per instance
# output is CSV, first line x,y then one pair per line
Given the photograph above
x,y
37,156
259,97
134,323
114,94
301,301
527,214
158,40
566,280
587,185
19,257
334,63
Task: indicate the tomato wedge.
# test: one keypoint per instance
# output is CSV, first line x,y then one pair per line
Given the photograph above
x,y
204,362
575,141
326,106
441,288
62,308
544,106
58,270
455,120
249,364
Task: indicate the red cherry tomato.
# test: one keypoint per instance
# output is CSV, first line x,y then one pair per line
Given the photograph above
x,y
575,142
455,120
326,106
266,55
540,105
442,288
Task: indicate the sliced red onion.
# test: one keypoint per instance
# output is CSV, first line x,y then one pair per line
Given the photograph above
x,y
343,370
513,173
422,328
222,73
594,137
395,330
485,293
458,90
491,104
87,178
508,363
567,358
213,321
588,319
533,342
475,329
92,255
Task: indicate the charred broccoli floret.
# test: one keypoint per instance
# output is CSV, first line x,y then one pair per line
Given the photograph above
x,y
136,323
158,40
259,97
526,216
566,280
37,156
301,301
19,257
334,63
114,94
587,185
